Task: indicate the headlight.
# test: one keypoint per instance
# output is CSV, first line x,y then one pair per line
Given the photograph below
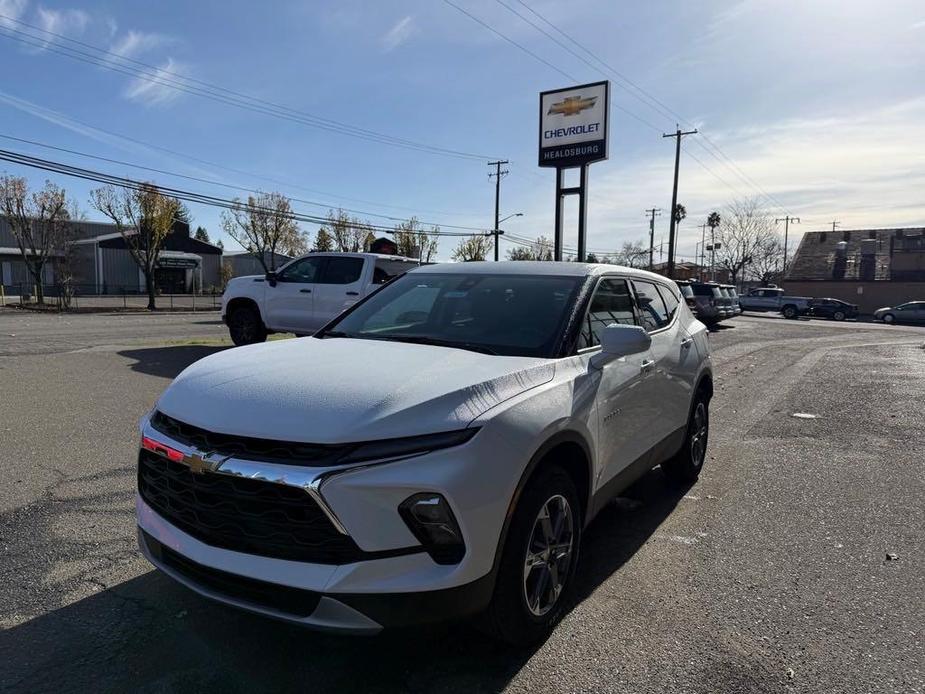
x,y
411,445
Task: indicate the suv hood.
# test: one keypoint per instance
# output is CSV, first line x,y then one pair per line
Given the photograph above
x,y
340,390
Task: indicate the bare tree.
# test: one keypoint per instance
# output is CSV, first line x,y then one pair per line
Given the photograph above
x,y
65,256
633,254
264,226
226,273
413,241
473,248
144,217
746,234
541,249
36,222
348,234
766,261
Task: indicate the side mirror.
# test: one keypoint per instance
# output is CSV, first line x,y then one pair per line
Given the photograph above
x,y
271,279
621,340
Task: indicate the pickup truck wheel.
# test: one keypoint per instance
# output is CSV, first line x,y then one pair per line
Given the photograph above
x,y
789,311
838,315
245,326
538,560
685,466
889,318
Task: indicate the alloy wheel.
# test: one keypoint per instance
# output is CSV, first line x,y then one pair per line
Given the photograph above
x,y
549,555
699,431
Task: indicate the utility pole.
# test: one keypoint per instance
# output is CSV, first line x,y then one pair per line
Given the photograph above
x,y
787,220
703,239
653,212
497,174
835,223
669,270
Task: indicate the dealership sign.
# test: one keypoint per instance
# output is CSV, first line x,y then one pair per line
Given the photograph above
x,y
573,125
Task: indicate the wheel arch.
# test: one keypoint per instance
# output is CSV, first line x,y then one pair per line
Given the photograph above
x,y
243,302
568,449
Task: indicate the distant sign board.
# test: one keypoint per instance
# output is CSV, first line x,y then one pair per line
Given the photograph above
x,y
573,125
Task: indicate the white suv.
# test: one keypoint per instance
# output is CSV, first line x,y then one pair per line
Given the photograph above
x,y
434,452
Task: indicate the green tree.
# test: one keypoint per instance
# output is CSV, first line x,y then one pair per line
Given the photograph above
x,y
473,248
144,217
413,241
201,234
264,226
323,240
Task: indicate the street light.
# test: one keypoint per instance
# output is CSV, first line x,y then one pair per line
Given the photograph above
x,y
496,232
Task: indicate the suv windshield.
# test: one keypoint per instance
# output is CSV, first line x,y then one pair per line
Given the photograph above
x,y
516,315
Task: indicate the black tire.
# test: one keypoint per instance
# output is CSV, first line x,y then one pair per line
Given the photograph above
x,y
245,326
685,466
789,311
889,318
838,315
509,617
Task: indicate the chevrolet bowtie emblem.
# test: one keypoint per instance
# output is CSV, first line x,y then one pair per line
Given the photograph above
x,y
572,106
198,463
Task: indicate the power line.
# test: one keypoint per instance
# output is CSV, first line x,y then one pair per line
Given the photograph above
x,y
183,155
643,97
226,185
155,75
181,194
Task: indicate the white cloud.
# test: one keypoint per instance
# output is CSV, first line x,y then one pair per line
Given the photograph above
x,y
134,43
64,22
152,91
11,11
403,30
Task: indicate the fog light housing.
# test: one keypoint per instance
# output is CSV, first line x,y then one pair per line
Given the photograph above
x,y
430,519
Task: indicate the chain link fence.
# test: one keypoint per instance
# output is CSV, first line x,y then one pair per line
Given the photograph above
x,y
89,298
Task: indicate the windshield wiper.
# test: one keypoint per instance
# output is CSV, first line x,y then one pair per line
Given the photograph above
x,y
335,333
422,340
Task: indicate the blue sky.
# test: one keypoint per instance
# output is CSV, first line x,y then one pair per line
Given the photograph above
x,y
819,105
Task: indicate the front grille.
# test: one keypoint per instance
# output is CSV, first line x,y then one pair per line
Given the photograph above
x,y
242,514
269,450
292,601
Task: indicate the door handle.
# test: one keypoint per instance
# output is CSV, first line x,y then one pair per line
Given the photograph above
x,y
687,342
353,293
305,291
647,365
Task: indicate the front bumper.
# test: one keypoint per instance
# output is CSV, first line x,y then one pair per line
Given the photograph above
x,y
348,613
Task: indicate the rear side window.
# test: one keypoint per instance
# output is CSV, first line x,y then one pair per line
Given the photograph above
x,y
611,303
652,310
342,271
670,300
687,291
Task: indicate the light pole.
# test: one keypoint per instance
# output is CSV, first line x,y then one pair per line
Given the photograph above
x,y
496,232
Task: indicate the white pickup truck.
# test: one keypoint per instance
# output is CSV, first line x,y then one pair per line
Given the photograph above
x,y
774,299
304,294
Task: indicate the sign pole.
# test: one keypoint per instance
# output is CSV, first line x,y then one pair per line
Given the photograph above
x,y
573,134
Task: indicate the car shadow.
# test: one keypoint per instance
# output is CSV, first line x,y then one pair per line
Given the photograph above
x,y
149,634
167,362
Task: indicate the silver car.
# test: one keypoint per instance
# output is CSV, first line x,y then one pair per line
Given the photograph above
x,y
909,312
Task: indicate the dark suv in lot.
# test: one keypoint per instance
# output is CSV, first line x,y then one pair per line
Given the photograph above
x,y
836,309
705,300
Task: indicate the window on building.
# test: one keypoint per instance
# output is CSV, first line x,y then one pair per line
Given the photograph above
x,y
611,303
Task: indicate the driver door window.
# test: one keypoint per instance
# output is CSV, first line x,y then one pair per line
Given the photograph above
x,y
305,271
611,303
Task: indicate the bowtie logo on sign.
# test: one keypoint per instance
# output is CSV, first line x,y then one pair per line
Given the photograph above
x,y
572,106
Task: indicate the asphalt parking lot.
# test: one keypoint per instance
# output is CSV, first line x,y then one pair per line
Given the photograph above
x,y
795,564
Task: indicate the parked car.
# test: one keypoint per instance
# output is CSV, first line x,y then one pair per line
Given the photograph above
x,y
836,309
704,300
728,305
734,295
305,293
909,312
434,452
774,299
